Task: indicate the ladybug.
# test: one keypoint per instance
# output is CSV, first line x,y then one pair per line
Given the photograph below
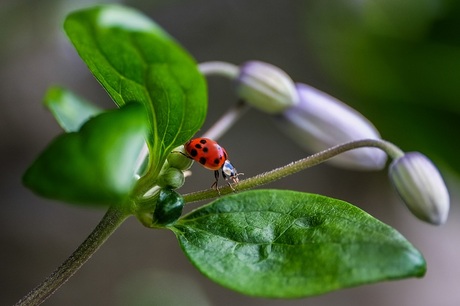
x,y
212,156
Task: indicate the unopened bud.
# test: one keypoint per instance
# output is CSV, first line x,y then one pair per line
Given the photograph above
x,y
178,159
266,87
421,187
168,209
320,121
171,178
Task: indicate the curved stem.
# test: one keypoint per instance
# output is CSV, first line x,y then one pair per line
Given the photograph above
x,y
219,68
109,223
294,167
231,72
226,121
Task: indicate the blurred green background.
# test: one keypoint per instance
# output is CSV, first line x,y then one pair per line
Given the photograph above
x,y
397,62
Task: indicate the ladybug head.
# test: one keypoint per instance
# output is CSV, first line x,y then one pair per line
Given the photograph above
x,y
228,171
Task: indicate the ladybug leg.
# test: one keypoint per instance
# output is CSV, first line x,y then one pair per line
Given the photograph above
x,y
226,177
231,186
215,185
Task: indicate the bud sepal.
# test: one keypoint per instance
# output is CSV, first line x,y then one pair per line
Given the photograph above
x,y
171,178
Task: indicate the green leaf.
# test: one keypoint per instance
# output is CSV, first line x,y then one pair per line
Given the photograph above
x,y
286,244
136,61
70,110
95,165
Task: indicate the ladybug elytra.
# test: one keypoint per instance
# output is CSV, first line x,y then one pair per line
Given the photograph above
x,y
212,156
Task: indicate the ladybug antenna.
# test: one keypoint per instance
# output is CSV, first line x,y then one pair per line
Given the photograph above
x,y
179,152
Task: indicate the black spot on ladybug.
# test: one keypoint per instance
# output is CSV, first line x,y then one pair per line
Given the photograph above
x,y
198,146
205,149
203,141
216,161
193,152
202,160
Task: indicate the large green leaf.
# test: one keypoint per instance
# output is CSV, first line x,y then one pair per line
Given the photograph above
x,y
285,244
95,165
70,110
136,61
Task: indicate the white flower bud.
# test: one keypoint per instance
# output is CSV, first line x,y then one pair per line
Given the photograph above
x,y
421,187
266,87
320,121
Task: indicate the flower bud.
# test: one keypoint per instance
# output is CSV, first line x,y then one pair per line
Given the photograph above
x,y
421,187
171,178
320,121
266,87
178,159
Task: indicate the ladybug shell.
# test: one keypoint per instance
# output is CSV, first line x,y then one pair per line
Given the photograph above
x,y
207,152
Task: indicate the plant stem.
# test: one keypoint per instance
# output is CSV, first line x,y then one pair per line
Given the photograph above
x,y
219,68
226,121
294,167
231,72
109,223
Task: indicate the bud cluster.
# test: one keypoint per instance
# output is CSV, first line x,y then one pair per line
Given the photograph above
x,y
318,121
312,118
172,173
167,207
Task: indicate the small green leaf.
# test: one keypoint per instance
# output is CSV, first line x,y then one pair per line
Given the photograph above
x,y
136,61
95,165
286,244
70,110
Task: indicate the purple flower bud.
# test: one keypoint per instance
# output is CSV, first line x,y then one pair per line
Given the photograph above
x,y
320,121
266,87
421,187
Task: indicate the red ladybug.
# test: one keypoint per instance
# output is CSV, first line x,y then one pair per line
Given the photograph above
x,y
213,157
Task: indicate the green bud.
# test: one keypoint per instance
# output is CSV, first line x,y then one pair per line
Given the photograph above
x,y
178,159
168,209
171,178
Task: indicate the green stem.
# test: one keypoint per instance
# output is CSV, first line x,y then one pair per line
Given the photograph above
x,y
109,223
294,167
